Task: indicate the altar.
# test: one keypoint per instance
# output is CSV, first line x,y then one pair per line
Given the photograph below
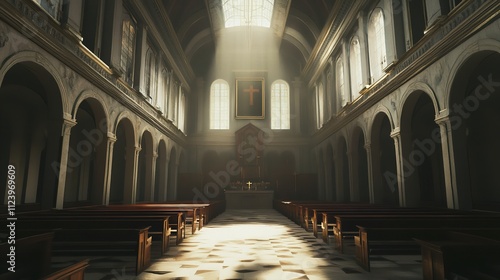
x,y
249,199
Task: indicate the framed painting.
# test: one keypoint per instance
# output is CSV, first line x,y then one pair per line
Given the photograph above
x,y
250,98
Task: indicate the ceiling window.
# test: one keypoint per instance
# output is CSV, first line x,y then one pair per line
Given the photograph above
x,y
247,12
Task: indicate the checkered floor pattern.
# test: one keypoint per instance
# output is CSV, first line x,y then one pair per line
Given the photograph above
x,y
257,244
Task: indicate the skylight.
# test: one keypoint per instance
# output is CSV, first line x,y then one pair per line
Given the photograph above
x,y
247,12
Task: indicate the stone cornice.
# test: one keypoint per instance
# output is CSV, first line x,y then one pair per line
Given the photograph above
x,y
330,37
156,16
453,30
28,18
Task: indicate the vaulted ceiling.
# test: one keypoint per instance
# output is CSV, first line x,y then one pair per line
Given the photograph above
x,y
297,23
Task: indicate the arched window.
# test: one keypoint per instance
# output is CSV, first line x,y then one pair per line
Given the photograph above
x,y
376,47
150,75
280,105
320,93
355,63
339,82
219,105
129,27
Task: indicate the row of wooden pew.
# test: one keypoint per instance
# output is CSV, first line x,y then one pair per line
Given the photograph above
x,y
114,230
444,237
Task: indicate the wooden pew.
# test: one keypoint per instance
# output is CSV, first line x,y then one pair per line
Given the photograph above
x,y
328,216
176,218
461,256
346,225
72,272
110,242
33,254
159,226
390,240
177,215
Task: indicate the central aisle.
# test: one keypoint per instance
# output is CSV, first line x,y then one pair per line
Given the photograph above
x,y
263,244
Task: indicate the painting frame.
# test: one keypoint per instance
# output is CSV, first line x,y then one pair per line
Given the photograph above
x,y
250,98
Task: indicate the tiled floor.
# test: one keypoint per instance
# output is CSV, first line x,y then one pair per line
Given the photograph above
x,y
258,244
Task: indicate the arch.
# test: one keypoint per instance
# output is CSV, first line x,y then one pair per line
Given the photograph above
x,y
422,154
97,103
43,68
474,119
460,61
359,163
419,87
126,115
31,90
329,170
145,171
322,195
122,187
161,174
342,170
172,174
85,176
384,173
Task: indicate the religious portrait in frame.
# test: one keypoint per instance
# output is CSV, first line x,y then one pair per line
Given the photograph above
x,y
250,98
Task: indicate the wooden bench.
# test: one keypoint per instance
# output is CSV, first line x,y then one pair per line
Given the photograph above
x,y
72,272
177,216
346,225
33,254
110,242
389,240
159,226
461,256
327,216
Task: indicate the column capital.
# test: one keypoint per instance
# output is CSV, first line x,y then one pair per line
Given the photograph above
x,y
442,117
111,137
396,132
67,125
368,145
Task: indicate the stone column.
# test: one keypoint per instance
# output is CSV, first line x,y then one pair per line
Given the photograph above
x,y
368,148
151,195
452,198
396,135
327,178
353,159
109,168
66,135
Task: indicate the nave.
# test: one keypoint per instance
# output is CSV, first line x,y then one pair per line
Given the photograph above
x,y
263,244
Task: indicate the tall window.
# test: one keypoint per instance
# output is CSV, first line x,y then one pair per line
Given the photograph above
x,y
280,105
376,47
320,103
219,105
150,74
339,82
182,112
247,12
129,28
355,63
53,7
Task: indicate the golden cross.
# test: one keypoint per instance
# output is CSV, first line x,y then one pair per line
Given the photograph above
x,y
251,91
249,184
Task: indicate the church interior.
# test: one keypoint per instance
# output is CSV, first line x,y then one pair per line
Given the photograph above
x,y
174,124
